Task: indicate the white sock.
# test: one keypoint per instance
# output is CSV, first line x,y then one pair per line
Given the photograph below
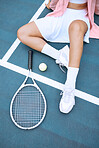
x,y
50,51
71,77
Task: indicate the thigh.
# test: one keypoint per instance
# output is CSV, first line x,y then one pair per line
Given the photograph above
x,y
30,29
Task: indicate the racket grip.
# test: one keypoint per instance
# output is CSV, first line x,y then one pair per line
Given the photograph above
x,y
30,53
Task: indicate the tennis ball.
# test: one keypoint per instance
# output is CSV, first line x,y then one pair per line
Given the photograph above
x,y
42,67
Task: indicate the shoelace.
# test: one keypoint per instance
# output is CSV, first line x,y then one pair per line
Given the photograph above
x,y
68,93
60,66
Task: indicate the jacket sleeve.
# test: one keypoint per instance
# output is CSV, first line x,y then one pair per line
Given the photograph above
x,y
53,4
94,32
97,7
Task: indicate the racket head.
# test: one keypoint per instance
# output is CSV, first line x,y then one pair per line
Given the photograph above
x,y
28,107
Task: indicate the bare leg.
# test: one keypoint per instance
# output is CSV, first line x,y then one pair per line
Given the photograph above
x,y
77,30
30,35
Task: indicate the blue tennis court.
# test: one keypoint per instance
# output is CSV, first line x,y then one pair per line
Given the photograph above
x,y
79,128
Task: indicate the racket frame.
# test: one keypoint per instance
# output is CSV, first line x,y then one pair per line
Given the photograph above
x,y
22,86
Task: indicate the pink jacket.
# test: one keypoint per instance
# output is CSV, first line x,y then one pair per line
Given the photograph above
x,y
97,7
59,7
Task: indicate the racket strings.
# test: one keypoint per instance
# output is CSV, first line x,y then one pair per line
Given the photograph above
x,y
28,107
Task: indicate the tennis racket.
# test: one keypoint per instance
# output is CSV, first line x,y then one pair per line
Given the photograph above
x,y
28,105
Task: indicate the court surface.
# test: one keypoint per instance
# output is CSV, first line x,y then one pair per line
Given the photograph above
x,y
79,128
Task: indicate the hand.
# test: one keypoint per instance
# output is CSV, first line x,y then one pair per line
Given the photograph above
x,y
48,5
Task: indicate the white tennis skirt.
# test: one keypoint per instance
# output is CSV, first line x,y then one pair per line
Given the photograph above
x,y
55,29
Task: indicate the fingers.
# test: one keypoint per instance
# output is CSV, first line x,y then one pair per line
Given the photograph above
x,y
48,5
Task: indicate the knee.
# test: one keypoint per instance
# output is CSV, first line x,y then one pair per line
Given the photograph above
x,y
21,34
76,28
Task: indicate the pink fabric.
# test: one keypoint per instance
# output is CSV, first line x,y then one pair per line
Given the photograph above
x,y
59,7
97,7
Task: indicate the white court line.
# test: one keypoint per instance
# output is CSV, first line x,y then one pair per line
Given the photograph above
x,y
17,41
50,82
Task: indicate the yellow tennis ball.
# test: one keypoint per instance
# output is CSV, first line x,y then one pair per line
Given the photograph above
x,y
42,67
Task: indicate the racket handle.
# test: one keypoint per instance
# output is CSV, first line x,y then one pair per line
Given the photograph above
x,y
30,53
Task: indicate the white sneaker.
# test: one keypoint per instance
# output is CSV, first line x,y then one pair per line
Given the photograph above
x,y
67,101
64,57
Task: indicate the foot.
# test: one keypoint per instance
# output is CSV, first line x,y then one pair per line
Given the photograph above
x,y
63,59
67,101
